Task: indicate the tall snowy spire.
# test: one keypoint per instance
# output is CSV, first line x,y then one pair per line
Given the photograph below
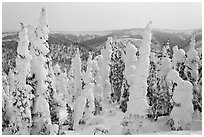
x,y
137,101
43,17
20,101
39,50
192,59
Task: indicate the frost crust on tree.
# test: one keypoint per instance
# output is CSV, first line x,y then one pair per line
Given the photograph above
x,y
137,101
182,98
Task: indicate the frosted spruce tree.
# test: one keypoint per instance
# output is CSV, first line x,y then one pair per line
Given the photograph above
x,y
11,82
79,100
137,100
130,60
162,98
192,73
117,67
21,121
39,49
182,98
105,69
153,90
165,64
5,86
7,107
97,89
178,58
60,81
192,60
54,105
87,91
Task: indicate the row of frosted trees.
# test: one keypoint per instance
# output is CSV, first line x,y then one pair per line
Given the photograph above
x,y
39,98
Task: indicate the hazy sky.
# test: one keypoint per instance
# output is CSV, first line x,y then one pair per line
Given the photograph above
x,y
103,16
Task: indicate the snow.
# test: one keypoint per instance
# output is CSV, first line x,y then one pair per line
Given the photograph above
x,y
192,59
137,101
178,56
78,94
179,133
105,69
106,121
183,94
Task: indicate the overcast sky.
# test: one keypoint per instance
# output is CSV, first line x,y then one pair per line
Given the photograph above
x,y
103,16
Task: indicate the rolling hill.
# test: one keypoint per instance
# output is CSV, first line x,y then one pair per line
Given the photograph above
x,y
93,41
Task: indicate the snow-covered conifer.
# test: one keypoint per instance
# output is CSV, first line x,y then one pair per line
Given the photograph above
x,y
60,81
192,59
87,92
165,64
130,60
11,79
105,69
21,119
178,57
79,99
39,49
137,100
182,98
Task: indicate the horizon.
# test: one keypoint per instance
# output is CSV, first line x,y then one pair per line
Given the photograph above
x,y
111,30
106,16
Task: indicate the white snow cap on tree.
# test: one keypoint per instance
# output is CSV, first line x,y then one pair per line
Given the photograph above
x,y
192,58
43,22
174,76
60,81
57,69
192,53
32,35
165,64
98,59
131,51
24,58
182,95
130,60
178,56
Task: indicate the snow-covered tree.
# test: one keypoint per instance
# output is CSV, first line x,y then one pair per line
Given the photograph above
x,y
5,86
39,49
60,81
117,67
97,89
182,98
11,82
165,64
178,57
192,73
105,69
161,93
20,120
7,109
87,92
137,101
192,60
79,99
130,60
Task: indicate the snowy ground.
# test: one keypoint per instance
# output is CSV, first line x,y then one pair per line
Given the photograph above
x,y
179,133
112,121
